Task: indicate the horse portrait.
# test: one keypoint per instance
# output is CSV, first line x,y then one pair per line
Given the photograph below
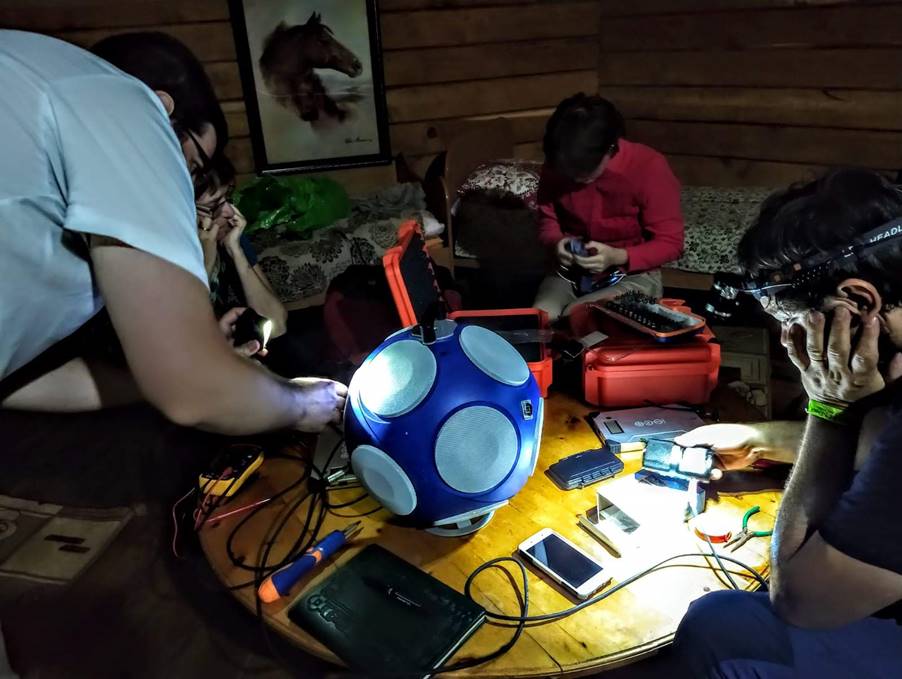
x,y
291,55
314,89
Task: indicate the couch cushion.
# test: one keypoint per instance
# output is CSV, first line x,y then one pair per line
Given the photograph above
x,y
302,269
512,178
716,219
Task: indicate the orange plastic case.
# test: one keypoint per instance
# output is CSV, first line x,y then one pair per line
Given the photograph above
x,y
629,369
393,261
414,289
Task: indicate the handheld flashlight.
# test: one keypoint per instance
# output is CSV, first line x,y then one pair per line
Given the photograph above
x,y
252,326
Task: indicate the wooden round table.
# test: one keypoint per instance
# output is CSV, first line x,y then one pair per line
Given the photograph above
x,y
630,625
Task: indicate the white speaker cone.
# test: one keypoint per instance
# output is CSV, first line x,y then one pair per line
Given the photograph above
x,y
494,355
475,449
397,379
384,479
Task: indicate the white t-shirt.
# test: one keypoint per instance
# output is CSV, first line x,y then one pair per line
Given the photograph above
x,y
84,149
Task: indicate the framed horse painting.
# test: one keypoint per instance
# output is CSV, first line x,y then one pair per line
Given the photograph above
x,y
311,72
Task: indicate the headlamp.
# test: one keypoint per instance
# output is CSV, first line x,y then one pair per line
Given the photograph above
x,y
799,276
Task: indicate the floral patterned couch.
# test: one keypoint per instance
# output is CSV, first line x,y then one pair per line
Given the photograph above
x,y
301,269
715,218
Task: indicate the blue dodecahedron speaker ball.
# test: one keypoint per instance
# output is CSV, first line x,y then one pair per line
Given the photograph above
x,y
444,429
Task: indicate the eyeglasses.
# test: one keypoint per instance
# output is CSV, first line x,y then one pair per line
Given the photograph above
x,y
211,209
200,175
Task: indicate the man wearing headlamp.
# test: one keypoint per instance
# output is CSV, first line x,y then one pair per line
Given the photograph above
x,y
824,258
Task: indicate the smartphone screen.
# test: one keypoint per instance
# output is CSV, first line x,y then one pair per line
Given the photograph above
x,y
561,558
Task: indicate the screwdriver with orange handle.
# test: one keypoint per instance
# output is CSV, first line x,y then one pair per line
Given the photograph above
x,y
280,583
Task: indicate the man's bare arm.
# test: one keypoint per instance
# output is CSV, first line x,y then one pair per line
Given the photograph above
x,y
180,360
76,386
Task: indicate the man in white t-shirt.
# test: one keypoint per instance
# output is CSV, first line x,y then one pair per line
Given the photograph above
x,y
98,174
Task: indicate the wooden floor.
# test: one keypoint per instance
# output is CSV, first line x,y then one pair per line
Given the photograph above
x,y
137,611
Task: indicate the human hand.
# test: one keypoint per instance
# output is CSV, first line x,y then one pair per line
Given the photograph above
x,y
237,224
842,374
601,257
323,403
227,326
208,232
564,256
736,446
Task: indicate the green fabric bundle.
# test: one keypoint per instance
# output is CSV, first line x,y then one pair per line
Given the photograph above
x,y
299,205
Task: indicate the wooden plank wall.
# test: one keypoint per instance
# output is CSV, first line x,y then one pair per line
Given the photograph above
x,y
447,60
757,92
736,92
444,60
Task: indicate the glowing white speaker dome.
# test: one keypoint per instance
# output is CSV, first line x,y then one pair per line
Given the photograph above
x,y
399,378
444,433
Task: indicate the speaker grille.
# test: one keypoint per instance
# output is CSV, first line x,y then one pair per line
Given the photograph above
x,y
384,479
398,378
493,355
475,449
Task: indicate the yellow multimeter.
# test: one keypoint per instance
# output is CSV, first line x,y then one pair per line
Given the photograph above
x,y
230,470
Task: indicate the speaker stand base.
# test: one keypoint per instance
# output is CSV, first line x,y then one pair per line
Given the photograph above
x,y
463,527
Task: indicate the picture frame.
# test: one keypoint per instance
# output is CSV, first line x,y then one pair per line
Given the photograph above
x,y
313,84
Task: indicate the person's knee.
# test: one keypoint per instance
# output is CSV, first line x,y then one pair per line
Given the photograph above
x,y
716,628
551,307
713,616
553,296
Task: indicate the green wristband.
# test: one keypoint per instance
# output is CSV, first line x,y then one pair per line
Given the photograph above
x,y
825,411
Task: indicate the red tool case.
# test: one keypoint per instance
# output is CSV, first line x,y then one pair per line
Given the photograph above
x,y
417,295
631,369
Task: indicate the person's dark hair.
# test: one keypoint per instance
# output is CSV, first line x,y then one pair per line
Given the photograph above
x,y
223,172
163,63
580,132
820,216
221,176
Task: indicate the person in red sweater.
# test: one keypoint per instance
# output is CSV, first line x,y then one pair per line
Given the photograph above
x,y
618,197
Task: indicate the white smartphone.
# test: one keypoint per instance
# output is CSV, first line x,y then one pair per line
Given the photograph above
x,y
565,563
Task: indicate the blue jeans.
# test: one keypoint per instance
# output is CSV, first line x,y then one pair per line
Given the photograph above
x,y
736,635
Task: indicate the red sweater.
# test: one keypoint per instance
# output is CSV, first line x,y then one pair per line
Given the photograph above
x,y
634,205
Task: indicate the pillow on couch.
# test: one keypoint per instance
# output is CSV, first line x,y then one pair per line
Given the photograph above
x,y
512,178
301,268
498,199
716,219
